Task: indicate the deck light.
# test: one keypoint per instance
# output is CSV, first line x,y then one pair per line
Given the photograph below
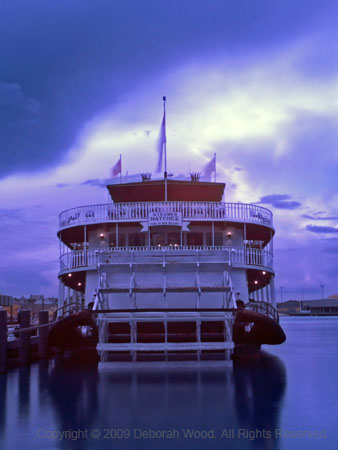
x,y
102,236
256,282
229,234
69,274
79,284
263,272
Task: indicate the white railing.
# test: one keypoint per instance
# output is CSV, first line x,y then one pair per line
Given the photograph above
x,y
233,255
122,212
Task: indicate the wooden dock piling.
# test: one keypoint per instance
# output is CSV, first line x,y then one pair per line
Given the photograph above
x,y
3,340
24,347
43,334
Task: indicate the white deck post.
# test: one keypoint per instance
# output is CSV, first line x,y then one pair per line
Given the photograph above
x,y
60,299
213,234
272,291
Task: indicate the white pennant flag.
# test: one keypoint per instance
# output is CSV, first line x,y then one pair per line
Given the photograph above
x,y
210,167
117,168
160,145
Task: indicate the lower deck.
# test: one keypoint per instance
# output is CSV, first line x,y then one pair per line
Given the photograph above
x,y
165,335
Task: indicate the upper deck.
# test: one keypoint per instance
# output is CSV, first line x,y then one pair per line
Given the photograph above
x,y
189,211
258,219
188,202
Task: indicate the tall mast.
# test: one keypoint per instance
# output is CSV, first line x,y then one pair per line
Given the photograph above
x,y
120,169
215,166
165,154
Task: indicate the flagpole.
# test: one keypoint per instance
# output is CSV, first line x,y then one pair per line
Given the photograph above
x,y
120,169
165,155
215,166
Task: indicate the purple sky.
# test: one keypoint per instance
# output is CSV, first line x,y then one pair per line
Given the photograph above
x,y
255,82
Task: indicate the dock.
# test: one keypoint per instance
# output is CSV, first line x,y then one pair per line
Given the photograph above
x,y
31,343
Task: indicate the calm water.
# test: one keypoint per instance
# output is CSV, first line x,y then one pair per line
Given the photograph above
x,y
293,389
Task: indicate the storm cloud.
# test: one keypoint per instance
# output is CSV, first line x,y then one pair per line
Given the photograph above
x,y
321,229
280,201
63,62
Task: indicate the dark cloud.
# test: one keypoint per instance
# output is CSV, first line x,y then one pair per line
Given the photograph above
x,y
270,199
287,205
14,106
280,201
63,62
6,213
321,229
25,223
97,182
320,218
31,277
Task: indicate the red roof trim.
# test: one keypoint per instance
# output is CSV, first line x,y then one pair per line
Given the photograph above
x,y
154,191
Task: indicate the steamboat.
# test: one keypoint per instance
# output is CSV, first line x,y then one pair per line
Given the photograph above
x,y
166,271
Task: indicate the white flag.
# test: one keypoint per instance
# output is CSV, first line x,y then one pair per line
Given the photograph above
x,y
117,168
160,145
210,167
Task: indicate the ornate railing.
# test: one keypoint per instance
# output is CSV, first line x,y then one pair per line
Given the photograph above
x,y
264,308
233,255
122,212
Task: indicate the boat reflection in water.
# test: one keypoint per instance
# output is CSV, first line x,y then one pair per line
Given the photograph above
x,y
74,395
259,390
238,407
223,403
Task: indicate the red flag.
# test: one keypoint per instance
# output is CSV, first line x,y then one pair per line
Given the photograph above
x,y
116,169
160,145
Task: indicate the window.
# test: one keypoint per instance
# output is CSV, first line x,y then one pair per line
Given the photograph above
x,y
112,240
218,238
136,239
195,239
174,238
157,239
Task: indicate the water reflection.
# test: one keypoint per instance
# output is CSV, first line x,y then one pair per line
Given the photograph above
x,y
73,394
259,390
54,396
223,399
24,391
3,400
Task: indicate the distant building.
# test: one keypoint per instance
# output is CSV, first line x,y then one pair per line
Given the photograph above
x,y
6,300
36,299
325,306
289,307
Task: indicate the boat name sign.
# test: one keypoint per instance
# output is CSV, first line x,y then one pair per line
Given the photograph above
x,y
165,218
